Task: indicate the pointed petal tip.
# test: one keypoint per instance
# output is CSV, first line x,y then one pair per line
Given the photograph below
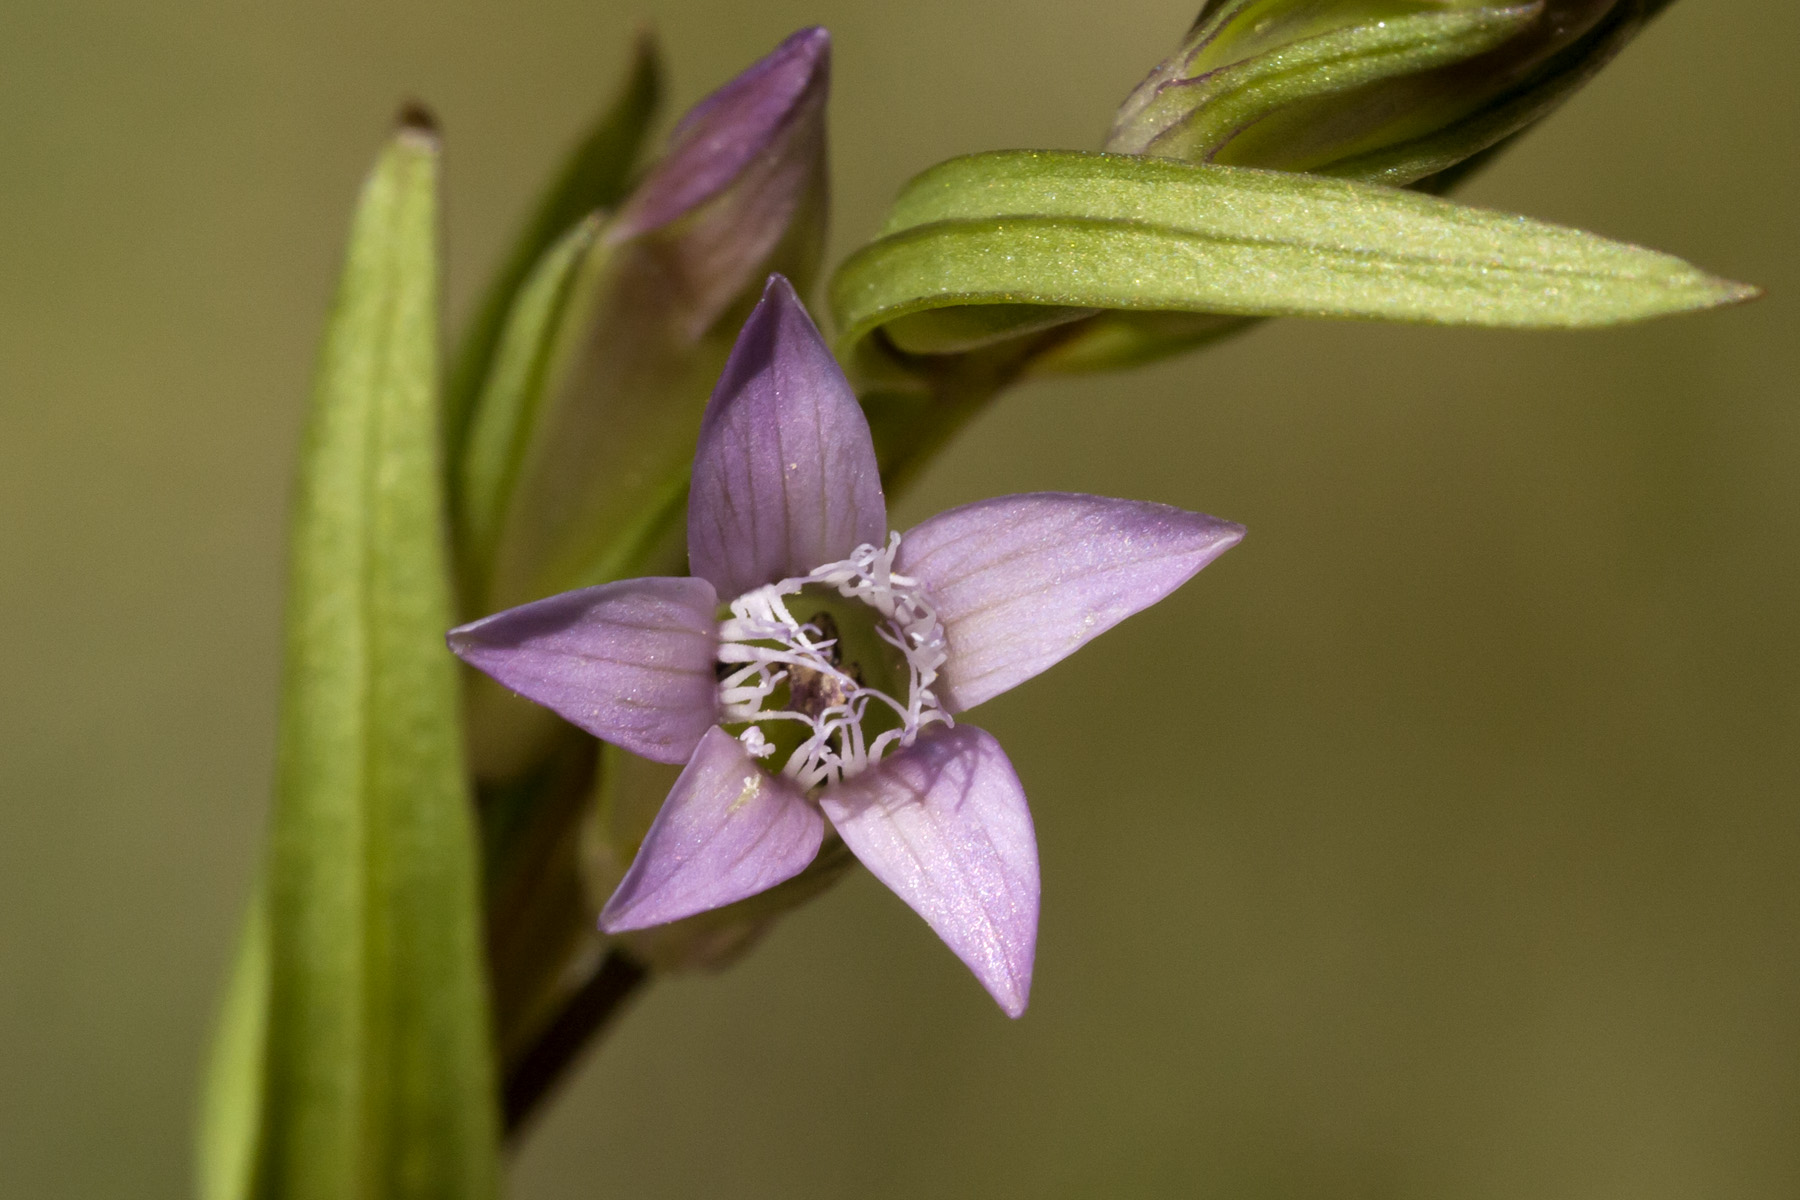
x,y
1013,1004
629,662
804,52
769,323
785,477
618,917
1021,582
779,290
783,78
810,43
466,640
945,825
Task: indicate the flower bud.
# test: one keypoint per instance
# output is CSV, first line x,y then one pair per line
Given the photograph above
x,y
741,192
1386,91
584,472
744,174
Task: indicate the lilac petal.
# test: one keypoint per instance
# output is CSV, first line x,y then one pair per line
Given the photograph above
x,y
944,824
1022,582
728,830
784,477
724,134
630,662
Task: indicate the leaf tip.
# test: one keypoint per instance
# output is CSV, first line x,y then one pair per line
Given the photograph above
x,y
417,121
646,52
1710,291
1732,292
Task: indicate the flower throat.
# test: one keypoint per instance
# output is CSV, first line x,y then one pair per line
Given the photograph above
x,y
828,672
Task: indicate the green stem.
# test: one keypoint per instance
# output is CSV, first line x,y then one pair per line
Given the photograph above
x,y
913,422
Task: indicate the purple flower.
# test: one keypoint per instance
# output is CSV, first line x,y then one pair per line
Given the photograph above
x,y
813,667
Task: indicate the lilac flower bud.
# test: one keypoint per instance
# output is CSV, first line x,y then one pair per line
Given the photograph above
x,y
587,470
740,192
1388,91
657,300
745,171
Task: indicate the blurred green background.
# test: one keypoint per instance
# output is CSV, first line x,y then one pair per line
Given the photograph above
x,y
1439,842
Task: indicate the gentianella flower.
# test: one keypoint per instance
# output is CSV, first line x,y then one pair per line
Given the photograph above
x,y
813,670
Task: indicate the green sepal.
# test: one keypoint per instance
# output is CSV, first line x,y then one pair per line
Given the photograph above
x,y
589,438
524,372
1385,91
596,175
1193,117
381,1083
1449,151
595,464
1134,234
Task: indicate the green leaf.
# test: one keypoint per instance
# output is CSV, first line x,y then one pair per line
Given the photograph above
x,y
380,1074
1137,234
596,175
231,1108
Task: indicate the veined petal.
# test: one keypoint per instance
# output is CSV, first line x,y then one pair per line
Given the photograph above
x,y
728,830
785,476
1022,582
630,662
944,824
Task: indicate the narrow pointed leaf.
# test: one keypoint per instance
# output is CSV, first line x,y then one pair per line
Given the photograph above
x,y
1128,233
381,1085
595,175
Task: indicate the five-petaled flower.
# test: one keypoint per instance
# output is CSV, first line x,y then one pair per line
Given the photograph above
x,y
813,667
